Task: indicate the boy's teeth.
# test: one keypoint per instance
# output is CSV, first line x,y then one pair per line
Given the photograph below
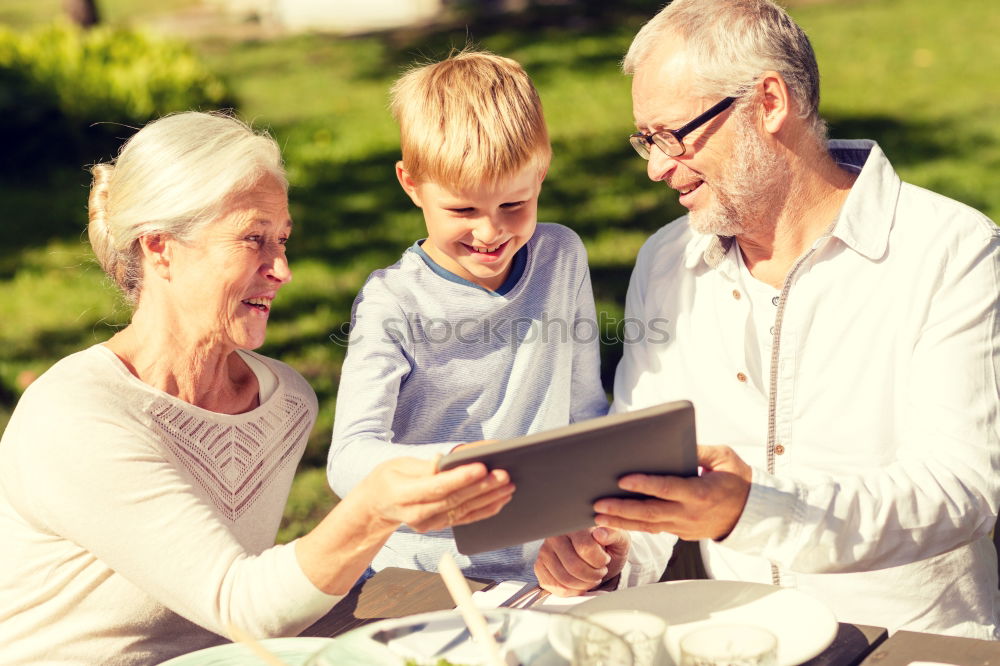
x,y
256,301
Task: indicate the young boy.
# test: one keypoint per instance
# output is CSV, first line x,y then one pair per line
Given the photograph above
x,y
486,329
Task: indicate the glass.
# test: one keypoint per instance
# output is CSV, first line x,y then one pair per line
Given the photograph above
x,y
524,637
644,632
671,142
729,645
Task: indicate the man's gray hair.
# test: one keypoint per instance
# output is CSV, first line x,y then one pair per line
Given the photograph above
x,y
731,43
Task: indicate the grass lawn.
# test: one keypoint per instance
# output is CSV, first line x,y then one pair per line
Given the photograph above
x,y
914,75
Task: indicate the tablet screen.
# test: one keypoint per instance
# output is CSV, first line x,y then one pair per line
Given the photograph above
x,y
560,473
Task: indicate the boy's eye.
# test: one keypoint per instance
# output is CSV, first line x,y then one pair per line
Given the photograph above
x,y
513,205
253,238
462,211
283,240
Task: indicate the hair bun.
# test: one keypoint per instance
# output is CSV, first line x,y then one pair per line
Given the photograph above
x,y
99,227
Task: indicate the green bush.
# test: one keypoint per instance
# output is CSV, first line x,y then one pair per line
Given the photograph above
x,y
69,95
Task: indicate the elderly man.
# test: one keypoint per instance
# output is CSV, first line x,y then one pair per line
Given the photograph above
x,y
835,327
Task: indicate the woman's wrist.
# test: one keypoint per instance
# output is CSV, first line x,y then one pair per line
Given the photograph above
x,y
337,550
362,510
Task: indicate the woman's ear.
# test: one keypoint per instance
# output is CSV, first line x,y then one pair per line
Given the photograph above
x,y
776,102
156,252
407,183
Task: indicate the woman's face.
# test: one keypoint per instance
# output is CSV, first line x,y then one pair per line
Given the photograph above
x,y
223,281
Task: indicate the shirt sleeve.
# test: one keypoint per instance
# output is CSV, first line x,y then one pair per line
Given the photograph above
x,y
587,398
630,370
942,489
379,358
648,557
98,480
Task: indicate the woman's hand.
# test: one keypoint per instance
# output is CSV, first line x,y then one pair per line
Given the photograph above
x,y
407,490
401,490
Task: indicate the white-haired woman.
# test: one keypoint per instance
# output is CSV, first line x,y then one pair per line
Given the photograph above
x,y
142,480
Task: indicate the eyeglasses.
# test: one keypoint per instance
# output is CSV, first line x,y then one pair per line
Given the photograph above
x,y
671,142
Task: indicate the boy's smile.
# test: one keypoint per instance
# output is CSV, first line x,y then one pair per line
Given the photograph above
x,y
475,232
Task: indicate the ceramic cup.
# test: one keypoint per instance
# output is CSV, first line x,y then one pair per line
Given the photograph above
x,y
644,632
729,645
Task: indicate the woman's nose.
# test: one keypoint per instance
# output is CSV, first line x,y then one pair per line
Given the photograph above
x,y
278,269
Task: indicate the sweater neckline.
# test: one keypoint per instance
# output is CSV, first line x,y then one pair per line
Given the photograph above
x,y
264,407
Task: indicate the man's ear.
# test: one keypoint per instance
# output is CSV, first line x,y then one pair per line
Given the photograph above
x,y
156,252
407,183
776,104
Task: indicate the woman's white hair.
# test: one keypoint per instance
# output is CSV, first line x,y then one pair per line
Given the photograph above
x,y
172,177
731,43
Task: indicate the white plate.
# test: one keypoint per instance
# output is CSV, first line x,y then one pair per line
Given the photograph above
x,y
534,637
803,625
292,651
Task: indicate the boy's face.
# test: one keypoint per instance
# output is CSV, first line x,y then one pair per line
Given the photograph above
x,y
475,233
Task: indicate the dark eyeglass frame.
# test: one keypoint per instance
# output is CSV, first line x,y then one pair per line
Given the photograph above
x,y
642,141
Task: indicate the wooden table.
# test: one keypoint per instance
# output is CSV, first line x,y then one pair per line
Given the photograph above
x,y
400,592
389,593
904,647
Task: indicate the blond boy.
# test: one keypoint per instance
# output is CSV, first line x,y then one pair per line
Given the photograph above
x,y
485,329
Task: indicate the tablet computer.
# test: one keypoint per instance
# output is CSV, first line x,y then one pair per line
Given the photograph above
x,y
560,473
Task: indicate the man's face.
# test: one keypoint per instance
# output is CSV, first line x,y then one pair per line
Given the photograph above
x,y
727,170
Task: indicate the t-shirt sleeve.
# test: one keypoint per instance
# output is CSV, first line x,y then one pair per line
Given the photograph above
x,y
588,399
378,361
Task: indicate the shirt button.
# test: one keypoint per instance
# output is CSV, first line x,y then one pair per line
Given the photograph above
x,y
736,294
779,449
741,377
774,301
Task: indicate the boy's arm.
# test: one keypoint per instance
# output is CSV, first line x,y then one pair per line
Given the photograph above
x,y
379,358
587,397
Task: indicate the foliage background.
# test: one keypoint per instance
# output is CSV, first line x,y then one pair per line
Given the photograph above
x,y
916,75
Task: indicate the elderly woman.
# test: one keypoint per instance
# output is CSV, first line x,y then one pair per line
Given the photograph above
x,y
142,480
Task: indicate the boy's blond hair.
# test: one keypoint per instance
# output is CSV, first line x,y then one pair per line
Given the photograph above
x,y
469,120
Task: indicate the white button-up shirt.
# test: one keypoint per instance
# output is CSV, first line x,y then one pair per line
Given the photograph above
x,y
873,429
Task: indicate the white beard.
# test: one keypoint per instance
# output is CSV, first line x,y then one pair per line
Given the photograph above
x,y
755,177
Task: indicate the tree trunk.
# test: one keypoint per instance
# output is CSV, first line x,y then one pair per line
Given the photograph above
x,y
82,12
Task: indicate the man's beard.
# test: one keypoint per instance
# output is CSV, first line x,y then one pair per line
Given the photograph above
x,y
755,179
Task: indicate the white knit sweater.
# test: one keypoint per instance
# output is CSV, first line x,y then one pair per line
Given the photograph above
x,y
136,526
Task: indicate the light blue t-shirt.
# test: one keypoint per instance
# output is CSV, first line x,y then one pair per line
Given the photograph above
x,y
435,360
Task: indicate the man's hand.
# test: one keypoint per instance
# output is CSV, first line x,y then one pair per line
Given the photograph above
x,y
703,507
570,564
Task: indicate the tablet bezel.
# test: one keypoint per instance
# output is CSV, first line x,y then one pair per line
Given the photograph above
x,y
560,473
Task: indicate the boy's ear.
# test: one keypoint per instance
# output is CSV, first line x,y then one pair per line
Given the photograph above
x,y
543,171
407,183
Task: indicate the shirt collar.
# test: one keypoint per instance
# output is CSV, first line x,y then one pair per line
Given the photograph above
x,y
866,217
864,221
709,248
